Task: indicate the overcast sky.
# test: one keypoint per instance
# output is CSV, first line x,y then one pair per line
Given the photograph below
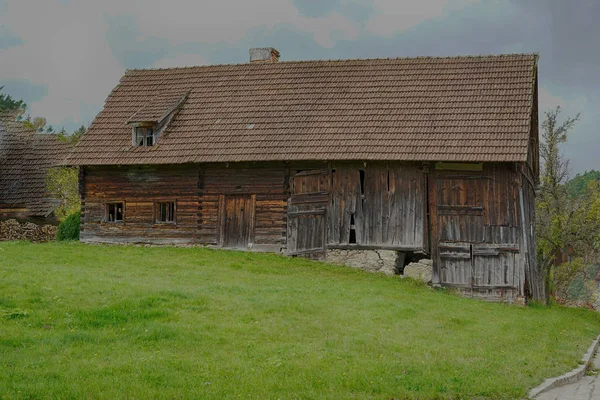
x,y
63,57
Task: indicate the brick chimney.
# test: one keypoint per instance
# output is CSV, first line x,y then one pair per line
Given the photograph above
x,y
264,54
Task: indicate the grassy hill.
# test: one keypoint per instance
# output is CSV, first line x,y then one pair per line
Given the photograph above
x,y
110,322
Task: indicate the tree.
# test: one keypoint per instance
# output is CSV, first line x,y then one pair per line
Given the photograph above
x,y
73,138
37,124
566,225
62,183
7,103
578,185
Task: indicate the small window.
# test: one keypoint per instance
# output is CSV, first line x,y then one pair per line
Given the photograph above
x,y
144,136
114,212
165,212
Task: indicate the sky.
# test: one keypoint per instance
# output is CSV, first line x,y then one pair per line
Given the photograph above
x,y
63,57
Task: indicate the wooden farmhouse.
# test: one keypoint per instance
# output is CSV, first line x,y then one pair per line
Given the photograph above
x,y
421,157
25,158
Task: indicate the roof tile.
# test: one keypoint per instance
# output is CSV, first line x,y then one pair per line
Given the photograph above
x,y
427,108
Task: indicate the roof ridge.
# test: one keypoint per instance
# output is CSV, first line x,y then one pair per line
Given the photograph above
x,y
457,57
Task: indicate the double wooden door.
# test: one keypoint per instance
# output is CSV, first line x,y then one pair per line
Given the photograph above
x,y
474,247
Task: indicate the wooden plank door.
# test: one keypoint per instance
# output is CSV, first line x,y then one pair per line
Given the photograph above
x,y
471,249
457,208
236,228
307,213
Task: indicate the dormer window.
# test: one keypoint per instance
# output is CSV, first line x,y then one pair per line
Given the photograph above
x,y
144,136
151,121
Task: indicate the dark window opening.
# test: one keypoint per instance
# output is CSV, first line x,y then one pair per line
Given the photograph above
x,y
165,212
114,212
388,180
352,239
352,236
144,136
362,181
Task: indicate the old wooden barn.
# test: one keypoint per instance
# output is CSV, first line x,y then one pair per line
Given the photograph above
x,y
420,157
25,158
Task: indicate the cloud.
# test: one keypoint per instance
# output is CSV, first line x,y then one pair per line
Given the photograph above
x,y
22,89
181,60
8,39
548,101
224,20
64,49
316,8
355,10
394,16
130,46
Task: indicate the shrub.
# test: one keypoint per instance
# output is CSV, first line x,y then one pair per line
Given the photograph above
x,y
69,228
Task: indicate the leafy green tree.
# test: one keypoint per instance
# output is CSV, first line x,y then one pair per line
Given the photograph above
x,y
566,224
73,138
7,103
579,183
554,210
62,183
37,124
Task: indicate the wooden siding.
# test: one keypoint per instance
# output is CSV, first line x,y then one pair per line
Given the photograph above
x,y
384,204
265,181
476,228
307,212
533,277
480,222
139,187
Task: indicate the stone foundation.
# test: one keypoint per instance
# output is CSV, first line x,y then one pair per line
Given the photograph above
x,y
420,270
383,261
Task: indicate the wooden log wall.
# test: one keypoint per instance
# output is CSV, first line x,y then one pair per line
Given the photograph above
x,y
378,205
265,181
139,187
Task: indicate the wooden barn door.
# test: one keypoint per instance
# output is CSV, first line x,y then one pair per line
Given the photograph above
x,y
307,213
473,249
459,206
236,227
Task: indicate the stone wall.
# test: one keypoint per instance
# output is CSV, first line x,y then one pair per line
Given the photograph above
x,y
13,230
370,260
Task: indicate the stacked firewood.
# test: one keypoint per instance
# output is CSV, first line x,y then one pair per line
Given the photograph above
x,y
13,230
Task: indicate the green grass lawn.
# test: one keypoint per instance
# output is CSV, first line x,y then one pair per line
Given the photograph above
x,y
110,322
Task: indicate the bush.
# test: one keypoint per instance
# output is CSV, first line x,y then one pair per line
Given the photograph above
x,y
69,228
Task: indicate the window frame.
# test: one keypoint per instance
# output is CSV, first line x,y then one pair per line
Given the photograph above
x,y
107,212
144,132
157,212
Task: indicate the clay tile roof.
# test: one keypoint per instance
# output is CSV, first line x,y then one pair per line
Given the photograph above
x,y
25,157
475,108
159,106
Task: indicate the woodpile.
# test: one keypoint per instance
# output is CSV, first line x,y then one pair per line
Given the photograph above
x,y
13,230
